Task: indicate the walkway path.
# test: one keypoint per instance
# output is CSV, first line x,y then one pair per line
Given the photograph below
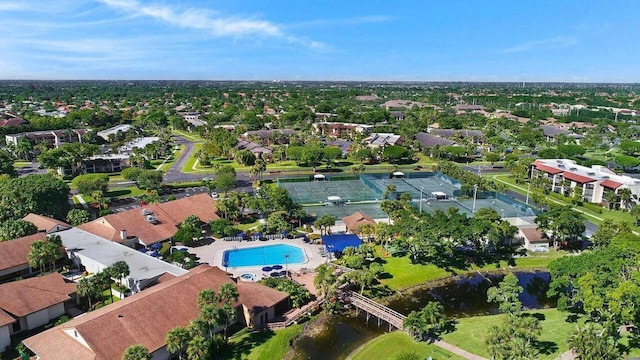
x,y
81,201
456,350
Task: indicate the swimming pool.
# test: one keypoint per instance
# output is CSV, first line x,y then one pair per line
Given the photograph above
x,y
263,255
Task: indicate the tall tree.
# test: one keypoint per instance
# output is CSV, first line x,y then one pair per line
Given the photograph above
x,y
506,294
136,352
177,340
12,229
593,342
39,194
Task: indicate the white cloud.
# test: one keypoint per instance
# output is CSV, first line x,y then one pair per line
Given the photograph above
x,y
371,19
199,19
552,43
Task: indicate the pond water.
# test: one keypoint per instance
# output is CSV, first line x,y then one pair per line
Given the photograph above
x,y
461,297
467,295
337,338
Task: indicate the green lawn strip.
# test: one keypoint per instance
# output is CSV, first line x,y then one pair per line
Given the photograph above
x,y
188,165
389,346
248,226
260,345
190,136
404,274
21,164
471,332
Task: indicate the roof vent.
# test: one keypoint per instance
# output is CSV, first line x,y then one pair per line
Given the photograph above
x,y
146,212
561,166
152,219
591,173
605,177
573,169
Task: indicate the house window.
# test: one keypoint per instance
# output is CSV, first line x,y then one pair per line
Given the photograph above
x,y
16,326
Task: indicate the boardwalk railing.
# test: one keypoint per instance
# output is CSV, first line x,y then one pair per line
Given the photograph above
x,y
371,307
304,311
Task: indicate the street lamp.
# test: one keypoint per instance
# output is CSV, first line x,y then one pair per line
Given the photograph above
x,y
475,192
421,188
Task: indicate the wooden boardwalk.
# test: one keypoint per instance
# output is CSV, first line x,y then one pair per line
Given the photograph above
x,y
392,317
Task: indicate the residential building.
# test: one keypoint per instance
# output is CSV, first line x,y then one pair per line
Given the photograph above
x,y
152,223
36,301
46,224
476,136
342,130
92,253
53,138
13,122
551,132
259,151
192,118
114,130
139,143
564,175
14,260
6,322
529,235
146,317
270,136
376,140
427,140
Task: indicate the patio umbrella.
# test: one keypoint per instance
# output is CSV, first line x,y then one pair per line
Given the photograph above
x,y
277,267
155,254
156,246
275,274
267,268
242,234
143,250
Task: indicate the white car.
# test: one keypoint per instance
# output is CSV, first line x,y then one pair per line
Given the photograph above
x,y
214,195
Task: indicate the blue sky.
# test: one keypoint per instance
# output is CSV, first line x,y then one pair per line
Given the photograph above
x,y
399,40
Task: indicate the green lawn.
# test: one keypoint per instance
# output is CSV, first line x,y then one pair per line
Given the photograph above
x,y
21,164
470,333
389,346
190,136
188,165
404,274
260,345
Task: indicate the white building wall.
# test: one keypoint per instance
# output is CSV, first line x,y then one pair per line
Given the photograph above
x,y
56,311
36,319
5,337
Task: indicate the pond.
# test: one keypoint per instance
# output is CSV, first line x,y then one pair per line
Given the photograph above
x,y
337,337
463,296
467,295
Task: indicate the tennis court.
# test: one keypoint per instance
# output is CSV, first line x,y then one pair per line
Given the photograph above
x,y
466,206
371,209
317,192
366,194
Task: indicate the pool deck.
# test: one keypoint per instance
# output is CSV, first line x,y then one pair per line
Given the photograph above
x,y
212,254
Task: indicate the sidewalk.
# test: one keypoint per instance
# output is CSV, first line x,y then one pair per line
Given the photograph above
x,y
456,350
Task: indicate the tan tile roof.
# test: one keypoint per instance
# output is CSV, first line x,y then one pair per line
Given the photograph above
x,y
24,297
144,318
14,252
169,215
6,319
534,235
357,219
45,223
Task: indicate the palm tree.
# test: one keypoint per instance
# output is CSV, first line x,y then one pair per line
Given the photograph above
x,y
227,295
611,198
120,270
367,230
635,212
206,297
625,197
86,288
390,189
23,148
198,349
324,278
177,340
415,324
136,352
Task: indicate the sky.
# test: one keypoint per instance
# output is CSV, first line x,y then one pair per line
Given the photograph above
x,y
347,40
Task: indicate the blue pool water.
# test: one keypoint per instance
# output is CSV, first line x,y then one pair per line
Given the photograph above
x,y
263,255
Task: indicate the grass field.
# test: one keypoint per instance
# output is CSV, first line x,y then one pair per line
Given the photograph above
x,y
262,345
389,346
402,273
21,164
470,333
